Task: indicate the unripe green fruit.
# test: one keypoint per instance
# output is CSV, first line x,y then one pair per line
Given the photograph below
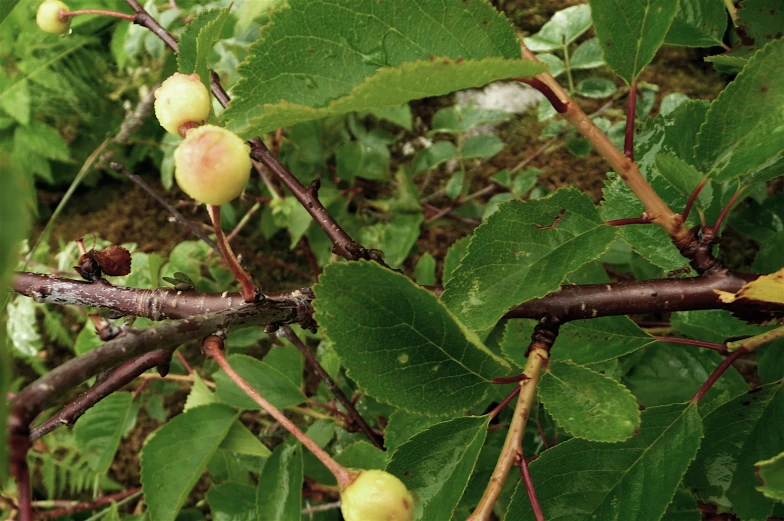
x,y
376,495
180,99
212,165
48,17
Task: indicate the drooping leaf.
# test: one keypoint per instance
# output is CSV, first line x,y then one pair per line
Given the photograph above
x,y
268,381
279,493
174,458
232,502
771,473
581,341
738,434
698,23
437,463
519,253
331,60
563,28
99,431
587,404
382,324
392,86
197,40
741,137
634,479
630,32
669,373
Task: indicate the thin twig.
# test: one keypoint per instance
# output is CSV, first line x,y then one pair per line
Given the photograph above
x,y
333,387
93,504
631,116
250,291
752,343
175,213
113,14
726,210
689,342
543,337
213,348
501,406
529,488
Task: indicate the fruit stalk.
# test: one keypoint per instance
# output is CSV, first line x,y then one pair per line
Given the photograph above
x,y
250,292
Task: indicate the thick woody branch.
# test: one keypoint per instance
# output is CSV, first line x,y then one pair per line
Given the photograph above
x,y
572,302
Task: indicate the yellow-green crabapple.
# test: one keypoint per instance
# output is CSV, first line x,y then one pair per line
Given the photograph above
x,y
375,495
182,99
212,165
48,17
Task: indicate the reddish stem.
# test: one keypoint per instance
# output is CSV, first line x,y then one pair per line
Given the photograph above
x,y
501,406
693,198
628,143
559,105
726,210
529,488
542,434
689,342
184,362
250,292
213,348
717,373
510,379
93,504
631,220
67,14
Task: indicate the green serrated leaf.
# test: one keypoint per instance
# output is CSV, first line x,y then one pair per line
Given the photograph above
x,y
231,501
240,440
564,27
684,178
402,426
631,31
761,21
362,455
519,253
581,341
587,404
698,23
279,493
596,88
99,430
588,55
634,479
267,380
330,60
400,343
437,463
454,255
669,373
713,325
742,136
190,440
738,434
771,473
197,40
683,507
389,86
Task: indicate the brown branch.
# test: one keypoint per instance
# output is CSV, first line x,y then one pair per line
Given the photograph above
x,y
93,504
573,302
175,213
351,411
144,19
539,351
115,380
